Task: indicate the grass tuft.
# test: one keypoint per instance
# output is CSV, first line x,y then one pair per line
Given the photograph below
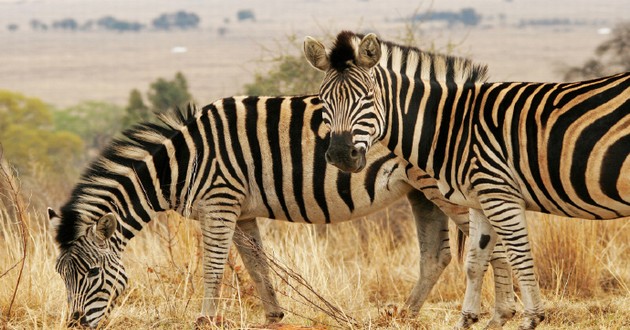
x,y
361,270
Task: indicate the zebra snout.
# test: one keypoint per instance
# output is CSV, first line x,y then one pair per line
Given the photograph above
x,y
78,319
334,158
343,154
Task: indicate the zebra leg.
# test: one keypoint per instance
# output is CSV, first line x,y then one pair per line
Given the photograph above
x,y
504,296
249,245
482,242
218,223
504,288
435,255
508,219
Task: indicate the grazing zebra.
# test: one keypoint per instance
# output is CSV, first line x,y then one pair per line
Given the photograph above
x,y
236,159
497,148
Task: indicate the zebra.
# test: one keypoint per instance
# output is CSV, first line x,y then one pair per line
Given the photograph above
x,y
236,159
497,148
131,181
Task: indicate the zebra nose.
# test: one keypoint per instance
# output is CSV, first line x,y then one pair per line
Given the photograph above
x,y
343,154
336,155
83,321
78,319
74,320
355,153
332,156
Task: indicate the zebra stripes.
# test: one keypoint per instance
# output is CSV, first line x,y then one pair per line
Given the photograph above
x,y
226,164
498,148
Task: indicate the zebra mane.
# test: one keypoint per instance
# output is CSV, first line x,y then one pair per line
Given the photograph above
x,y
399,58
128,150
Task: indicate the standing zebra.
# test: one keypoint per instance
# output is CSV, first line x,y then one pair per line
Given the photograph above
x,y
237,159
497,148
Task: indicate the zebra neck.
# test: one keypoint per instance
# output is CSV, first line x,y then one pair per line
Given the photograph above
x,y
92,201
422,116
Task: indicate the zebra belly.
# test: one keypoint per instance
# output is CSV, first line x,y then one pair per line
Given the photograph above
x,y
336,197
598,201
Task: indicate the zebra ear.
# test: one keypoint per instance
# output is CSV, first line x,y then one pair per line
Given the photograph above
x,y
53,218
105,226
369,52
315,53
52,215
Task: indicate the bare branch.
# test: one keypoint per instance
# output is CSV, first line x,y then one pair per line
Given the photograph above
x,y
12,187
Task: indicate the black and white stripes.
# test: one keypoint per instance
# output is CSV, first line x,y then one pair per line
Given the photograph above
x,y
499,148
226,164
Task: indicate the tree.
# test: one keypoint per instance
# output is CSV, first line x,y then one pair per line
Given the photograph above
x,y
245,14
95,122
136,111
181,20
17,109
612,55
66,24
165,95
29,140
113,24
617,48
162,96
38,25
469,16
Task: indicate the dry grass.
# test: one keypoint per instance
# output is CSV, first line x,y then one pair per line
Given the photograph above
x,y
364,268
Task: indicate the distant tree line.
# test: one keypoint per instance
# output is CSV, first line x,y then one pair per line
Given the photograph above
x,y
466,16
41,141
555,21
180,20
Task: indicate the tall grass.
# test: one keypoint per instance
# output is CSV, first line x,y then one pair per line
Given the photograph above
x,y
365,269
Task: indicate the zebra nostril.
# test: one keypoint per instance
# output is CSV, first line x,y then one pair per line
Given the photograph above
x,y
76,320
354,153
84,321
328,158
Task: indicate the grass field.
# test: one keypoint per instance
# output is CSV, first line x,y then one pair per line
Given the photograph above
x,y
364,269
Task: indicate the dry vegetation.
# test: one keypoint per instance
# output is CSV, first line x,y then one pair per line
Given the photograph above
x,y
361,271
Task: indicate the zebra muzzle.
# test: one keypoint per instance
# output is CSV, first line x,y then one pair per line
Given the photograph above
x,y
78,320
343,154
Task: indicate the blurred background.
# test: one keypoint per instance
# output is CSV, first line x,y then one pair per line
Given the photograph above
x,y
74,73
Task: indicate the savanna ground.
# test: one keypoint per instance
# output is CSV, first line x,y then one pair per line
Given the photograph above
x,y
351,275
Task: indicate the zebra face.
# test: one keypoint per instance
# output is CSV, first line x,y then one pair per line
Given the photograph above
x,y
93,273
352,107
350,116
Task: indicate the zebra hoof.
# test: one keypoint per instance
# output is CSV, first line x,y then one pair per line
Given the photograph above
x,y
531,321
500,318
467,320
274,317
494,325
205,322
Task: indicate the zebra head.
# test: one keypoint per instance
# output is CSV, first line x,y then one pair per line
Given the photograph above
x,y
352,104
92,271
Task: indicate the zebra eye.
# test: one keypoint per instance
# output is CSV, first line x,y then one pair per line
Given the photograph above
x,y
93,271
